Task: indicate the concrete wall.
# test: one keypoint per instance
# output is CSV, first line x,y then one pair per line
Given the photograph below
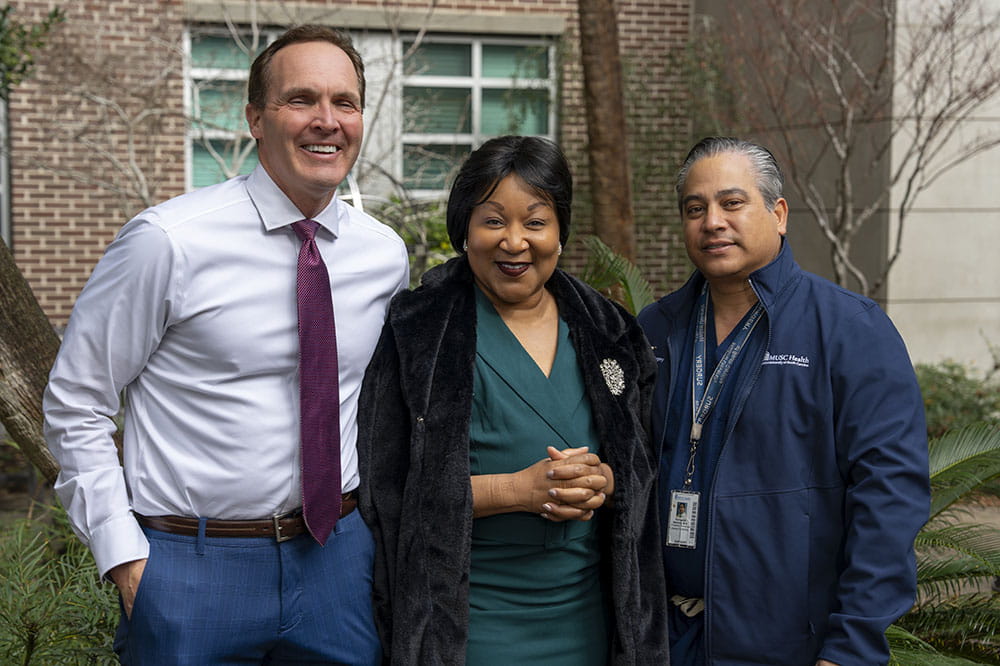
x,y
944,292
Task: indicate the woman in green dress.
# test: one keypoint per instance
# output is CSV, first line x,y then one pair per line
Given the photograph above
x,y
507,474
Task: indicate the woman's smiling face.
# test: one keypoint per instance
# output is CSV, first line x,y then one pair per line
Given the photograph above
x,y
513,244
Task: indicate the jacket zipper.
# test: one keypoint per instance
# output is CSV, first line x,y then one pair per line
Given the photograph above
x,y
709,532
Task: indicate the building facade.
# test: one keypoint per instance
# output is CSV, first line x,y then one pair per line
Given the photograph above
x,y
944,294
133,103
884,115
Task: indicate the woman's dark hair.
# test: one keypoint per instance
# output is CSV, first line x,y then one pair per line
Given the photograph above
x,y
539,162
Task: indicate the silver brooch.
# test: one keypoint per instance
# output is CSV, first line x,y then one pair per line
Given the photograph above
x,y
613,376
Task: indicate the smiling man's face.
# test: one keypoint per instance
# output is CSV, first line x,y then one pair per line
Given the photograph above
x,y
309,132
728,231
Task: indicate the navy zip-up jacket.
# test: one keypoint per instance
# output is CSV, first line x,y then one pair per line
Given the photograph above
x,y
822,482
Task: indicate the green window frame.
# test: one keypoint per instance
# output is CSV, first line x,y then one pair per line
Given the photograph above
x,y
459,91
218,140
5,215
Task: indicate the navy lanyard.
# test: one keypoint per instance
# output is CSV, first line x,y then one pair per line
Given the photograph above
x,y
704,396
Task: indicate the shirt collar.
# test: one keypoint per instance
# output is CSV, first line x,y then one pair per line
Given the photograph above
x,y
276,210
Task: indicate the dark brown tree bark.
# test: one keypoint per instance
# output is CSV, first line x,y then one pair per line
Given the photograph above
x,y
607,149
28,348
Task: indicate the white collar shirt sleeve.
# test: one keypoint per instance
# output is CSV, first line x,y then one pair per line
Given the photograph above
x,y
191,312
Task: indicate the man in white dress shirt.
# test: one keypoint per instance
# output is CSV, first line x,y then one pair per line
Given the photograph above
x,y
192,313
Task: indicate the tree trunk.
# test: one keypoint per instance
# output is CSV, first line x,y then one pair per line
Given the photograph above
x,y
607,150
28,348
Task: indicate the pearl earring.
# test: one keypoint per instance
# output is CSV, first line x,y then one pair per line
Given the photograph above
x,y
559,251
465,245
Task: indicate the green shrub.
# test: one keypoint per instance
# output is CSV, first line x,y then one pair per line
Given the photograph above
x,y
616,276
953,398
53,608
421,225
956,618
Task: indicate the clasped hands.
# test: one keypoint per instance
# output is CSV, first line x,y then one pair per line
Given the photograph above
x,y
568,485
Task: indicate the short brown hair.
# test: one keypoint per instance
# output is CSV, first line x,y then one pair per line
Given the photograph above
x,y
260,70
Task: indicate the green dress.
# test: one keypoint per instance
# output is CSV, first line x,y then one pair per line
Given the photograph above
x,y
535,593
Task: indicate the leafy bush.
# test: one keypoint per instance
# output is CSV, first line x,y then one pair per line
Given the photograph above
x,y
421,225
53,608
615,275
953,398
957,614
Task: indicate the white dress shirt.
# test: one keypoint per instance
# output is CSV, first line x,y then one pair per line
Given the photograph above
x,y
192,312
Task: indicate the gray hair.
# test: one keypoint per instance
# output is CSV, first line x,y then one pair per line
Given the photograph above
x,y
770,180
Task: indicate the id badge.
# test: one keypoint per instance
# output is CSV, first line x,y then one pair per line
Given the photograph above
x,y
682,523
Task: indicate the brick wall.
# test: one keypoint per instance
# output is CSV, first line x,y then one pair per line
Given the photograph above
x,y
84,120
650,30
97,133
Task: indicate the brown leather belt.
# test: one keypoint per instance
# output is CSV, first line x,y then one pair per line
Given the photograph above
x,y
279,528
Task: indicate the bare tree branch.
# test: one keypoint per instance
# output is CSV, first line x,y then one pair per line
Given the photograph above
x,y
852,91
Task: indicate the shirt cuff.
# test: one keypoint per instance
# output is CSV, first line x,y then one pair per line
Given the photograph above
x,y
118,541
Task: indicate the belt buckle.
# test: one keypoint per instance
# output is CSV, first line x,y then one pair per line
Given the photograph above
x,y
278,536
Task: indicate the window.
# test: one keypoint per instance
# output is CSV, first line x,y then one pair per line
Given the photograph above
x,y
219,142
459,92
5,231
455,93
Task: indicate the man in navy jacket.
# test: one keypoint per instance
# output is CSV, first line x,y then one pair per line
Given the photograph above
x,y
794,452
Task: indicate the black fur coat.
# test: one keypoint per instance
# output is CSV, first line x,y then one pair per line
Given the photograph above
x,y
413,443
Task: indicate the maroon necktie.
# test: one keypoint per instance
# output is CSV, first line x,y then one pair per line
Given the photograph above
x,y
319,394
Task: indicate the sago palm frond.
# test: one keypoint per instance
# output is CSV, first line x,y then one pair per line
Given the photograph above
x,y
963,620
908,649
606,268
962,461
957,559
911,657
952,557
952,584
